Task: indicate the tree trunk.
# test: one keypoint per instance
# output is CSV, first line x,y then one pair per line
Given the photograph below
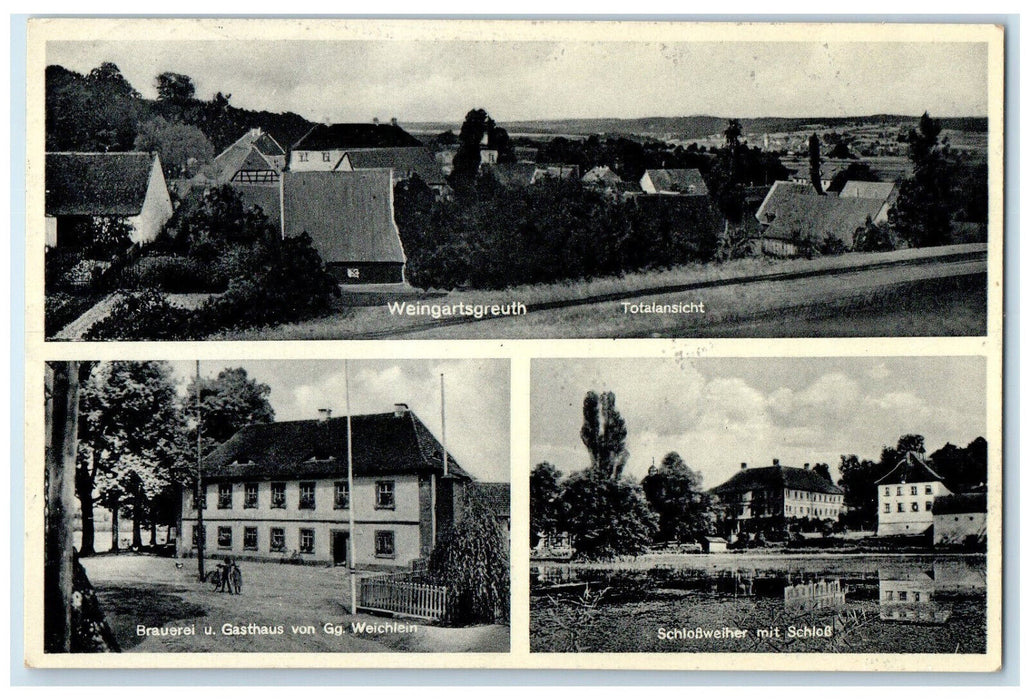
x,y
84,490
153,531
114,526
59,545
137,509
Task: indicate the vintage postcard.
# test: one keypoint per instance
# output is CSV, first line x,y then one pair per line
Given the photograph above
x,y
511,344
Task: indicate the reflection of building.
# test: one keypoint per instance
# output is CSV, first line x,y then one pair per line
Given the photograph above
x,y
758,497
280,490
82,187
906,496
907,595
960,518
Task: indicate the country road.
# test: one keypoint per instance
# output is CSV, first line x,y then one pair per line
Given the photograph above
x,y
854,301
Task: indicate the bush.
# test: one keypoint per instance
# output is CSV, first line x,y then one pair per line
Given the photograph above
x,y
875,239
471,559
60,309
831,245
606,517
172,273
143,315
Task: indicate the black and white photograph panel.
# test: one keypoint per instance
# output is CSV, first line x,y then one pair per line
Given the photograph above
x,y
240,188
762,505
357,506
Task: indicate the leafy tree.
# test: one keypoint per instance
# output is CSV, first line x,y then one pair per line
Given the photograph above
x,y
859,170
674,492
131,440
814,163
874,239
606,517
858,479
183,148
545,506
604,435
923,211
471,559
229,402
963,468
175,88
823,470
207,225
726,182
109,77
476,126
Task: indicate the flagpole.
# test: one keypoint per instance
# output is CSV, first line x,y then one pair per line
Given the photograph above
x,y
350,494
198,496
443,424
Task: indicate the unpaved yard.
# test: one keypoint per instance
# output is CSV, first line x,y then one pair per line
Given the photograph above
x,y
284,600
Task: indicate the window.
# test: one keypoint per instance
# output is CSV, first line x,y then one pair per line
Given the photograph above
x,y
915,490
385,544
250,538
898,491
929,489
278,494
903,595
901,507
915,596
224,537
915,507
307,495
890,595
341,497
250,495
276,540
307,541
224,496
325,156
384,494
929,506
303,156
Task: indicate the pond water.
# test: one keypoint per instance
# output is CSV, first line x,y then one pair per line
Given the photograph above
x,y
762,603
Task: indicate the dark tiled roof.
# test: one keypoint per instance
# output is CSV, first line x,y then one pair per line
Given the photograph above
x,y
960,503
512,174
868,190
912,469
683,180
496,496
819,216
330,137
349,215
252,151
418,160
268,145
779,196
383,444
776,477
97,184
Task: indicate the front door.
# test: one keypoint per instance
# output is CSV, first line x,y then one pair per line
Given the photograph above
x,y
340,547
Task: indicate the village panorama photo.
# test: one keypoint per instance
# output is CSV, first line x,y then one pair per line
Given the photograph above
x,y
590,180
273,506
765,505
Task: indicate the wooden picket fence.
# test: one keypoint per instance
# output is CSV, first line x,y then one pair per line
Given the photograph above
x,y
396,596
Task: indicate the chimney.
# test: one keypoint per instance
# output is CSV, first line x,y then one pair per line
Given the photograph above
x,y
400,410
256,131
393,120
375,120
324,414
743,465
776,462
807,466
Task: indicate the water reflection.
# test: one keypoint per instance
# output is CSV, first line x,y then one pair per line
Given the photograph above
x,y
908,595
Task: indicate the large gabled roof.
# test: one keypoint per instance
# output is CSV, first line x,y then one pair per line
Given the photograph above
x,y
869,190
819,216
779,195
416,159
383,444
252,151
97,184
910,470
334,137
349,215
776,477
682,180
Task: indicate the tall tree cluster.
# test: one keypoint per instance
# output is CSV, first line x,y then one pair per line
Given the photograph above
x,y
926,201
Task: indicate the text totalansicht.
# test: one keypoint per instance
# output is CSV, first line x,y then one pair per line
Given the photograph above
x,y
687,307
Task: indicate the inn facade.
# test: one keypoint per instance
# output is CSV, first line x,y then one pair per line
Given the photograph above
x,y
280,491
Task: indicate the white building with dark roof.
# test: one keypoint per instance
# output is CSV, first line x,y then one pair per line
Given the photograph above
x,y
280,491
82,186
905,497
681,181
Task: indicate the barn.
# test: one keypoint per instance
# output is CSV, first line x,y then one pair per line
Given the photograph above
x,y
349,216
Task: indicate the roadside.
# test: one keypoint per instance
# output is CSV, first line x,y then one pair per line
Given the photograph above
x,y
283,608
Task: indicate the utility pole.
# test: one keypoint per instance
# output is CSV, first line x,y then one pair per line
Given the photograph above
x,y
350,494
198,496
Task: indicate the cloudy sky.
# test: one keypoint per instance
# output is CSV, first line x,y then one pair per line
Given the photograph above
x,y
719,412
478,424
515,80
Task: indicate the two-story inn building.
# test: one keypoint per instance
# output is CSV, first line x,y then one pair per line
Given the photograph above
x,y
761,498
280,491
905,497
